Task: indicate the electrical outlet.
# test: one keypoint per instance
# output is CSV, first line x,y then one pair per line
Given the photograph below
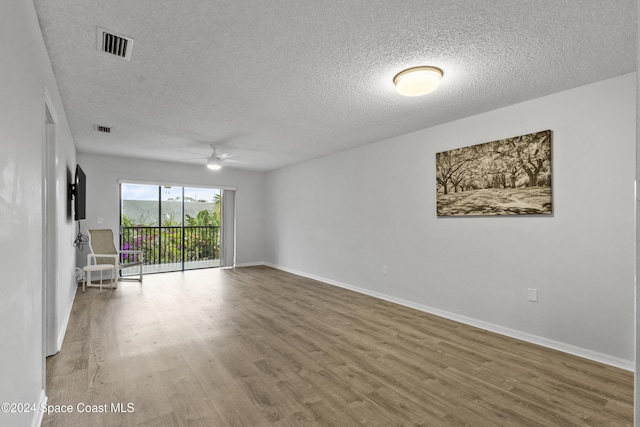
x,y
532,295
385,269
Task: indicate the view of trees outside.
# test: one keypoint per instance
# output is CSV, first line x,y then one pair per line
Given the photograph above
x,y
510,176
171,224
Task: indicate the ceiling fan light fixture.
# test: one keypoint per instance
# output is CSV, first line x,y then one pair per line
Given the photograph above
x,y
214,163
418,81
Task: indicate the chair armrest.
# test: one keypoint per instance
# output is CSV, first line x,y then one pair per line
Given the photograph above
x,y
132,252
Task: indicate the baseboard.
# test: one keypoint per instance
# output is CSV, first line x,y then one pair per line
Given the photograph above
x,y
606,359
63,328
38,415
250,264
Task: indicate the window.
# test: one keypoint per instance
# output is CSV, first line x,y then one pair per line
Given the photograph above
x,y
177,228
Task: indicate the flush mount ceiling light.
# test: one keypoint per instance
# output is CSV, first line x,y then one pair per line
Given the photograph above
x,y
418,81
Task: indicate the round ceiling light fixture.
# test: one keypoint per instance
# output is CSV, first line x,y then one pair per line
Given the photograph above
x,y
418,81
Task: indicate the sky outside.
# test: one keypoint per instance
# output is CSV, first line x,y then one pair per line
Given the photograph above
x,y
150,192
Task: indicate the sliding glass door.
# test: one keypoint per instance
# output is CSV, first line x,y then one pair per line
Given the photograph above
x,y
177,228
201,225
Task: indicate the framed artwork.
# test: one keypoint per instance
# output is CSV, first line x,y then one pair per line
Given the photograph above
x,y
510,176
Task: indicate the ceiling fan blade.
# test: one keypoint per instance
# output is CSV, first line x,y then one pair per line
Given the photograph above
x,y
193,153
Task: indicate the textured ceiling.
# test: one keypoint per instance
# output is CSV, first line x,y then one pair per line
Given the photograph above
x,y
277,82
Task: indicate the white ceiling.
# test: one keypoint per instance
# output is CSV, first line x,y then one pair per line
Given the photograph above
x,y
276,82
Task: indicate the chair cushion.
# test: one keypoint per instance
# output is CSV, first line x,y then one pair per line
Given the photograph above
x,y
102,241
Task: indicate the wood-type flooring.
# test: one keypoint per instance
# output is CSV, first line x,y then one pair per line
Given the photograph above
x,y
255,346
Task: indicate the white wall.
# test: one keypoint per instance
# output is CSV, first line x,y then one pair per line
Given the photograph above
x,y
25,73
341,217
636,414
103,173
61,285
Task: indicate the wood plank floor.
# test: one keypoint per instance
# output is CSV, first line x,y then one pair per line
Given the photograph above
x,y
259,347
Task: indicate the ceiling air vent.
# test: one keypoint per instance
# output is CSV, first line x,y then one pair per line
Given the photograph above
x,y
114,44
103,129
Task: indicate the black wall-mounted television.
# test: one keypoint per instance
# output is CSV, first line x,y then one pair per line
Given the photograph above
x,y
79,194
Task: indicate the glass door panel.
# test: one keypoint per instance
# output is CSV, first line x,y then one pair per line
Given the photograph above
x,y
139,222
201,228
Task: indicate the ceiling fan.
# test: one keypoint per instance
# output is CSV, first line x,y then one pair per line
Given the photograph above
x,y
214,161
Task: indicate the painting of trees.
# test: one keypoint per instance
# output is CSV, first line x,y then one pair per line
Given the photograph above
x,y
511,176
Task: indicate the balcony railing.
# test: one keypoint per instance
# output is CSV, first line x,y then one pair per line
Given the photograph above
x,y
171,245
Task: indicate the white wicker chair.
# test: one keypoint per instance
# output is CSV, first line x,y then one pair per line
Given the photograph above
x,y
103,251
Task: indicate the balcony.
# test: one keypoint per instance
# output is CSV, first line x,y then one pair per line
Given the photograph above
x,y
173,248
